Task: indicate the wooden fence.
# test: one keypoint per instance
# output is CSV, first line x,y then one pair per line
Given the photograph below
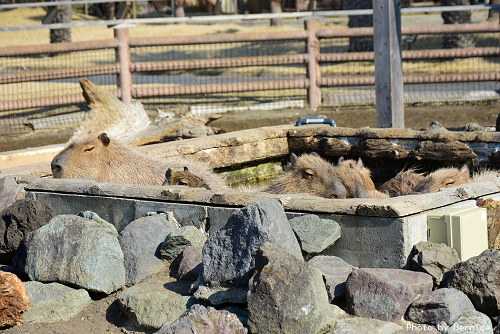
x,y
311,58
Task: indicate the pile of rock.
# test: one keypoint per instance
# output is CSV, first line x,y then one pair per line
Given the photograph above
x,y
260,273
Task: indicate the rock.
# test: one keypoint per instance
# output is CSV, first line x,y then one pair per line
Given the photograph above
x,y
493,214
76,251
357,325
53,302
287,295
219,295
315,234
436,126
13,299
10,192
180,239
479,279
434,259
472,323
150,305
190,265
384,294
95,217
140,241
335,272
206,320
414,328
441,305
474,127
16,221
229,253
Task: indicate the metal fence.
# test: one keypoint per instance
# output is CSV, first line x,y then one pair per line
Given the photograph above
x,y
211,73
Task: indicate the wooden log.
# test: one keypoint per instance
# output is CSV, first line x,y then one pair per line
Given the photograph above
x,y
443,151
379,149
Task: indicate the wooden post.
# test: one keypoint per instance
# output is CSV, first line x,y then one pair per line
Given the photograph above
x,y
124,79
313,70
388,67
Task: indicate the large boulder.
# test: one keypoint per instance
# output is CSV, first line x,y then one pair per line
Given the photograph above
x,y
438,306
14,300
434,259
178,240
384,294
315,234
479,279
140,241
150,305
287,295
53,302
229,253
473,322
190,264
365,325
75,251
206,320
335,272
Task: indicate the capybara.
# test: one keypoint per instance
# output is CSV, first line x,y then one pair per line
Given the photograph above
x,y
184,178
403,183
309,174
106,160
485,174
353,176
443,178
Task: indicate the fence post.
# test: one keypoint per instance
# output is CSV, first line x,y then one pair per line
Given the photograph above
x,y
313,70
388,67
124,78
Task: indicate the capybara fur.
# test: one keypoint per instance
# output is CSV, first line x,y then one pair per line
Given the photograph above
x,y
309,174
403,183
443,178
355,178
485,174
184,178
106,160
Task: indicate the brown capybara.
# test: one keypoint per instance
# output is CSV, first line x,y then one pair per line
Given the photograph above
x,y
353,174
309,174
443,178
485,175
403,183
184,178
106,160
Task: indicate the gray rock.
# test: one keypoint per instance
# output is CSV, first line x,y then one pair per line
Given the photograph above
x,y
53,302
150,305
472,323
178,240
140,241
229,253
315,234
356,325
219,295
95,217
206,320
441,305
479,279
287,295
76,251
335,272
384,294
10,192
190,265
414,328
434,259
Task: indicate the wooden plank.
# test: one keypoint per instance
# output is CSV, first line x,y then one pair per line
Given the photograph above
x,y
388,66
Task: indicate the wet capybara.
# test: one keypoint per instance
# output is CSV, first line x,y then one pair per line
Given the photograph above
x,y
309,174
106,160
184,178
403,183
353,178
443,178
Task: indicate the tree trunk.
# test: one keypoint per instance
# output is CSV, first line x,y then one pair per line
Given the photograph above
x,y
451,41
63,15
276,8
360,43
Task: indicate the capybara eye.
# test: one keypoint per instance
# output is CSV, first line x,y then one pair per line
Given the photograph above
x,y
308,173
88,149
182,183
449,182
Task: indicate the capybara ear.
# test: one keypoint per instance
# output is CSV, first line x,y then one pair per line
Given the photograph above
x,y
340,160
168,174
315,154
293,159
186,169
103,137
465,171
359,163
